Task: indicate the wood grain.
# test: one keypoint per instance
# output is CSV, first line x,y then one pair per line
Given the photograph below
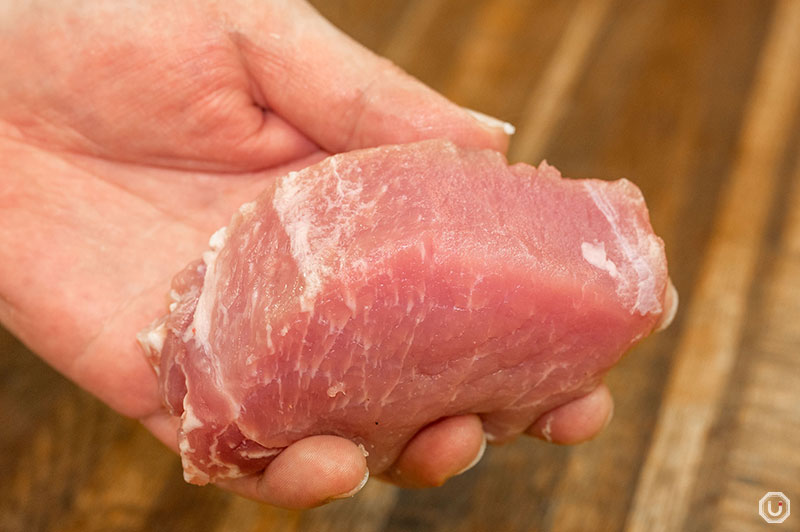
x,y
716,316
548,100
697,102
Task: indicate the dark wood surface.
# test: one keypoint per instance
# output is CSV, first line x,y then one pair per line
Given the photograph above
x,y
698,102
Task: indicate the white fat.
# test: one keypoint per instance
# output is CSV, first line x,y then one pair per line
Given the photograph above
x,y
595,254
315,242
154,338
217,240
270,344
646,299
336,389
185,448
201,323
247,208
350,301
190,421
290,195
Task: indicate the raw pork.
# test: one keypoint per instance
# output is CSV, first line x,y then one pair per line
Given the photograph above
x,y
380,290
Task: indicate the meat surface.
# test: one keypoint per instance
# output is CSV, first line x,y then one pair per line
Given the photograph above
x,y
380,290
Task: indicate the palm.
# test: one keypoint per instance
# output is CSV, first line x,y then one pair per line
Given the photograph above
x,y
141,157
112,253
128,136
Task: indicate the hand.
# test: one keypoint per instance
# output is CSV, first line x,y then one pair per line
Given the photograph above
x,y
128,134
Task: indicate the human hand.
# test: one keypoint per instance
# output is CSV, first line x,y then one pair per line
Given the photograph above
x,y
130,132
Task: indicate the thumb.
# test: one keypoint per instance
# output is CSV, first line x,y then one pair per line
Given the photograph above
x,y
342,95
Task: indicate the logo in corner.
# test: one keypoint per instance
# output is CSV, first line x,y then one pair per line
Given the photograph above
x,y
774,507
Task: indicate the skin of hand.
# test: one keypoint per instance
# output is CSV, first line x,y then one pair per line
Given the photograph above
x,y
130,131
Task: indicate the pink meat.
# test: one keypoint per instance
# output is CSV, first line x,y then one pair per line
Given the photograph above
x,y
383,289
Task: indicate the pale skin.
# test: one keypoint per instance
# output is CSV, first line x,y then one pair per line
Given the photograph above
x,y
130,132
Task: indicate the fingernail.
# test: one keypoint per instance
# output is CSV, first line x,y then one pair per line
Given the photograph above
x,y
670,307
354,490
474,460
548,429
492,122
609,418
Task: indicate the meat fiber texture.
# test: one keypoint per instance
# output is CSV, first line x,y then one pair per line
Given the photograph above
x,y
382,289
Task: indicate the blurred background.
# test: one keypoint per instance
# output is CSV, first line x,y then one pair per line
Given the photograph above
x,y
698,103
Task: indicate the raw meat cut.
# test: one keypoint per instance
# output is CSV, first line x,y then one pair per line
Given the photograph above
x,y
383,289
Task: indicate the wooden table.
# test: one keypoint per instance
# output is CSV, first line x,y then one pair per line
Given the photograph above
x,y
698,102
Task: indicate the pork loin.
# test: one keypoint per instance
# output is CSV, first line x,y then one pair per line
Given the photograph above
x,y
382,289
